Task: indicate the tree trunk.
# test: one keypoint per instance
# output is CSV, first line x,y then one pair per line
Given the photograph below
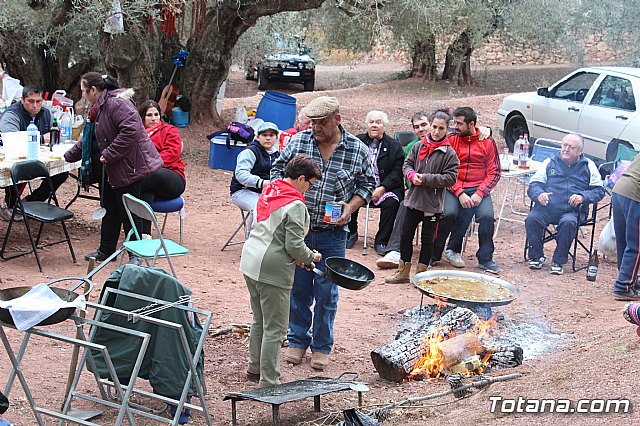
x,y
424,58
457,66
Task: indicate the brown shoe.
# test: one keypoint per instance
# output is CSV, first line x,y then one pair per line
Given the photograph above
x,y
402,274
294,355
319,361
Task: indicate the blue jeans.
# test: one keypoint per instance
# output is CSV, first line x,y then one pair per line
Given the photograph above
x,y
461,220
307,287
626,223
536,223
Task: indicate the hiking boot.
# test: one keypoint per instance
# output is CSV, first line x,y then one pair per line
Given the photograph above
x,y
389,261
455,259
352,240
98,255
556,269
537,263
401,275
628,296
294,355
490,266
421,267
319,361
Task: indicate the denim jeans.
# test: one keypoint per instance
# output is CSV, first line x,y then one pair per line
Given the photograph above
x,y
484,216
626,222
309,287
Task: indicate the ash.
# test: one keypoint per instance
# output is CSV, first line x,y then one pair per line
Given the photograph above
x,y
531,335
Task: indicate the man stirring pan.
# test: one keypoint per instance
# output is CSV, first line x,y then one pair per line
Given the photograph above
x,y
347,179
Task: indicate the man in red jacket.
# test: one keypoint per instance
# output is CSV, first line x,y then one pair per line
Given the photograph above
x,y
478,175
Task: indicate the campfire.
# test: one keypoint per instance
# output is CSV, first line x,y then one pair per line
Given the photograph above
x,y
458,342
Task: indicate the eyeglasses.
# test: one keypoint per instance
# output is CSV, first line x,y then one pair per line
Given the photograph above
x,y
311,184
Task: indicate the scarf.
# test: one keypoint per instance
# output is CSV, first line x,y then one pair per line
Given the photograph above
x,y
277,194
152,130
429,145
86,167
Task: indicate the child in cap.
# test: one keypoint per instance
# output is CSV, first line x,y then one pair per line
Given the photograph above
x,y
253,167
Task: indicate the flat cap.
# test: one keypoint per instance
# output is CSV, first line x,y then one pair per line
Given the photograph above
x,y
267,125
321,107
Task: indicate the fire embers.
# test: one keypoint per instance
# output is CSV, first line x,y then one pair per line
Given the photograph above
x,y
459,342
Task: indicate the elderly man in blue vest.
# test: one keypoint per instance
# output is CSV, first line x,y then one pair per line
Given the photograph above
x,y
561,190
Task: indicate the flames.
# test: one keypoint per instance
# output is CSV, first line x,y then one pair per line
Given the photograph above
x,y
447,352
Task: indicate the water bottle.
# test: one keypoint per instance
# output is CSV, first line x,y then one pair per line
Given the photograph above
x,y
54,134
504,160
33,141
517,148
524,152
592,269
65,127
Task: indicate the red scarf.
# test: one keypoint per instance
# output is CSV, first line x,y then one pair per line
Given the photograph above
x,y
429,145
151,130
277,194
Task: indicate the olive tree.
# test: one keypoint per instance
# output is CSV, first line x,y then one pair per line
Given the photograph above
x,y
53,42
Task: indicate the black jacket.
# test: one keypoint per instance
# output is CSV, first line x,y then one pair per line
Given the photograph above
x,y
390,160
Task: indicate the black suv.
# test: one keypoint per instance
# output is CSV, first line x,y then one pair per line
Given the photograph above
x,y
291,64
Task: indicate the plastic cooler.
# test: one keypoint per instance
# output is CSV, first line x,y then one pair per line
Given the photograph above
x,y
277,108
221,157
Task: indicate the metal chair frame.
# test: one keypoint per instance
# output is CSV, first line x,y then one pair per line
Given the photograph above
x,y
243,225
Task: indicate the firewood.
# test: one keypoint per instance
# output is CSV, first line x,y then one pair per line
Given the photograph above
x,y
457,348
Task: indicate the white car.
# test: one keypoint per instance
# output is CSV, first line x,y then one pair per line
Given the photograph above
x,y
599,103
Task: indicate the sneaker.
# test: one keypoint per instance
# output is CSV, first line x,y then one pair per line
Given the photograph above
x,y
389,261
455,259
537,263
491,266
381,249
556,269
98,255
6,212
628,296
352,240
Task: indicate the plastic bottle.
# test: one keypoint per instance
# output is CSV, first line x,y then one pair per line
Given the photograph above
x,y
524,152
517,148
592,269
65,127
33,141
504,160
54,134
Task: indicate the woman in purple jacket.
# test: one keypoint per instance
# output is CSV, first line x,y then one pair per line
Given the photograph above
x,y
120,144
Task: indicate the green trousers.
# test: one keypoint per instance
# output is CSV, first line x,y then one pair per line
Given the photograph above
x,y
270,306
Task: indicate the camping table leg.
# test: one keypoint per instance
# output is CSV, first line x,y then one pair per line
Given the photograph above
x,y
234,413
360,399
18,372
275,409
12,375
316,403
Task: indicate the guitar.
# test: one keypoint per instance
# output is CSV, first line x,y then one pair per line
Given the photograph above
x,y
168,96
170,91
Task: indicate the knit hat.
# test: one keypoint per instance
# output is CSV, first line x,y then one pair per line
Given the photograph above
x,y
267,125
321,107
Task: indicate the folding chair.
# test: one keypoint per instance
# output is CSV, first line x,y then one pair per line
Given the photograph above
x,y
148,249
40,211
405,137
175,205
589,223
244,215
542,149
607,169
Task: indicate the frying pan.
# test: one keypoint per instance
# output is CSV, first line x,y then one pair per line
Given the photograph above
x,y
58,316
481,282
346,273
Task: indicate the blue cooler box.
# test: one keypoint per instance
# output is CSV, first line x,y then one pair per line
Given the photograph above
x,y
221,157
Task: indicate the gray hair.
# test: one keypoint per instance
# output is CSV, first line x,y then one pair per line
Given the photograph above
x,y
302,114
385,117
580,138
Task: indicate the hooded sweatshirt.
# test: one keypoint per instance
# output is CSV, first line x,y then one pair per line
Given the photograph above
x,y
479,164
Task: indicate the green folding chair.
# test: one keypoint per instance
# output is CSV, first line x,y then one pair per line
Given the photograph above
x,y
149,249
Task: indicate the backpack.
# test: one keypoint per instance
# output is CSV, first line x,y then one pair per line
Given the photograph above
x,y
236,131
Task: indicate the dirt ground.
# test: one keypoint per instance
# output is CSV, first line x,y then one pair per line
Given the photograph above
x,y
597,360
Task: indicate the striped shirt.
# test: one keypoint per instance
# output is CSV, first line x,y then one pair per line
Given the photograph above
x,y
348,172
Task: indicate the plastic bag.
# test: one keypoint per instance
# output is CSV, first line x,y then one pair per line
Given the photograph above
x,y
114,23
353,417
607,240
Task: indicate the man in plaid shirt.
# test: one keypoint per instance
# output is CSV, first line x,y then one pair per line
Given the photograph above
x,y
347,178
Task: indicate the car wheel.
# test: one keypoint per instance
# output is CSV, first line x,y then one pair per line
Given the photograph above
x,y
310,85
263,79
515,127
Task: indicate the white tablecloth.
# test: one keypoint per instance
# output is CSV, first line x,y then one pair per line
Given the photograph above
x,y
53,160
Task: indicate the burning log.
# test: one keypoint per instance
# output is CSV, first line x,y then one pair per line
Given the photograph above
x,y
454,341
